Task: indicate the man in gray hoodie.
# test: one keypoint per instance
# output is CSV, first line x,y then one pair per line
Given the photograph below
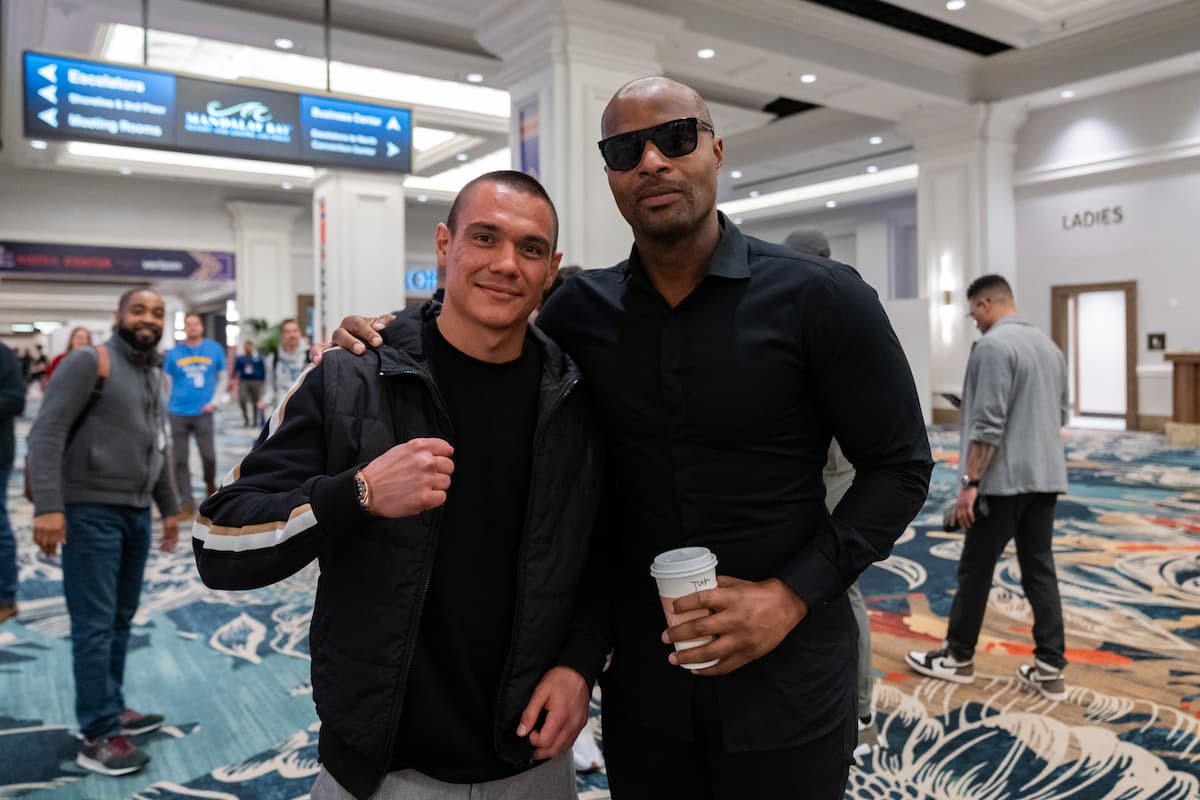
x,y
97,455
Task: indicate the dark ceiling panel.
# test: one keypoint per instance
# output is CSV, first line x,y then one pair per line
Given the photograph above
x,y
917,24
786,106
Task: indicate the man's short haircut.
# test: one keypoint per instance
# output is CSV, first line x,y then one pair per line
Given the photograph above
x,y
291,321
990,284
808,240
510,179
195,314
128,295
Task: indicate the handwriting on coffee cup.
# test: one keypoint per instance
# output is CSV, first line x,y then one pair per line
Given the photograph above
x,y
702,582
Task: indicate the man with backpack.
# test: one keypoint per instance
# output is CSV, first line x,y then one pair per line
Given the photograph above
x,y
97,458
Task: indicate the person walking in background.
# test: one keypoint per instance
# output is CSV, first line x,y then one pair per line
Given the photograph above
x,y
289,360
1012,467
98,456
196,368
12,403
80,337
37,367
250,372
838,475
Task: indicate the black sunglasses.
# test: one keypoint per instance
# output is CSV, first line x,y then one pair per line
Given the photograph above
x,y
673,139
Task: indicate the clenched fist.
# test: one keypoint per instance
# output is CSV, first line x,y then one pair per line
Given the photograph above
x,y
410,478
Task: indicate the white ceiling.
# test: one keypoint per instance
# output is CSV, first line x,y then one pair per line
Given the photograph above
x,y
869,77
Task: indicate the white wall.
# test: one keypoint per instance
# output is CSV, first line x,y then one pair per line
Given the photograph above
x,y
858,234
1137,150
1155,121
1157,244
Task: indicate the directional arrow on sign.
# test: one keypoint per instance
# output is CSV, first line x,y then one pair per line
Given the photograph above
x,y
49,72
392,150
393,124
50,117
49,92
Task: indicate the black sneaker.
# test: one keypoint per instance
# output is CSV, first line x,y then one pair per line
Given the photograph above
x,y
135,724
940,664
111,755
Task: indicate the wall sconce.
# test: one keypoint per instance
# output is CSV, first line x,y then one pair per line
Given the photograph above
x,y
947,298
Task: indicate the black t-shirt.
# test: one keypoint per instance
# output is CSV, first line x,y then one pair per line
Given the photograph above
x,y
447,727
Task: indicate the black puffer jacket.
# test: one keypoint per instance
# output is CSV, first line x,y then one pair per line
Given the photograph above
x,y
294,500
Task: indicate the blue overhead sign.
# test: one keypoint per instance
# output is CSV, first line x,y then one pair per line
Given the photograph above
x,y
65,98
72,99
355,134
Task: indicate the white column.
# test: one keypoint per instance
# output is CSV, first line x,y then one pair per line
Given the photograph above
x,y
965,221
562,62
358,246
263,241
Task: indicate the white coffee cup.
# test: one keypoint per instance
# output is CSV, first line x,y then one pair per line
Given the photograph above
x,y
681,572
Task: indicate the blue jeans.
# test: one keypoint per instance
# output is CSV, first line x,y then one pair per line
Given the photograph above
x,y
8,546
103,564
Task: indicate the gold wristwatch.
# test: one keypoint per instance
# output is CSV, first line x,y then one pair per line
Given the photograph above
x,y
364,491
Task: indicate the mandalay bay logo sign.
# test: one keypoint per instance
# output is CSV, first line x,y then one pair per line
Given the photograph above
x,y
249,120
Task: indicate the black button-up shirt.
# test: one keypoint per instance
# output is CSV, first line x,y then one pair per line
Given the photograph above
x,y
718,415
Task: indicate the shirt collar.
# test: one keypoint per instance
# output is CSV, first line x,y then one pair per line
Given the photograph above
x,y
729,260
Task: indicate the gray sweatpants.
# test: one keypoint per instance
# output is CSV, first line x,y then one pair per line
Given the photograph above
x,y
202,428
554,780
866,679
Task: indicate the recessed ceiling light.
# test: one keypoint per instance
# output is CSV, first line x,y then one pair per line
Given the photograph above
x,y
737,173
1067,94
956,5
422,198
876,140
705,52
755,193
831,203
808,77
474,77
872,169
125,171
38,144
286,185
284,43
462,156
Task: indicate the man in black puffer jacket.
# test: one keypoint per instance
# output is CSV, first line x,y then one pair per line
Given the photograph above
x,y
447,484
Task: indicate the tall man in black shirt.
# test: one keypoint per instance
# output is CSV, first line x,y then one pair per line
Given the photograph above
x,y
448,485
722,366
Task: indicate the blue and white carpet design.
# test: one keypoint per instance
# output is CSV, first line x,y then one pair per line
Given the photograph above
x,y
231,669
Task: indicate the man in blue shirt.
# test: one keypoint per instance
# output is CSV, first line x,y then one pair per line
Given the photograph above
x,y
196,367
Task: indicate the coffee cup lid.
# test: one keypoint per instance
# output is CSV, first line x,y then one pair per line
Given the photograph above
x,y
682,561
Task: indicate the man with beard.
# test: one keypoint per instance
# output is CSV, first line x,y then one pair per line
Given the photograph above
x,y
98,454
722,366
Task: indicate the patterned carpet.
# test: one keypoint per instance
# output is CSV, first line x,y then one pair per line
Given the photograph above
x,y
231,669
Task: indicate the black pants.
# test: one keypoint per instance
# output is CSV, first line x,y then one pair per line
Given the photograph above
x,y
1029,519
643,764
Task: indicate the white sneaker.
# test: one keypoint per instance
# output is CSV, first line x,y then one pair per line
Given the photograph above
x,y
940,664
1044,679
588,757
868,740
